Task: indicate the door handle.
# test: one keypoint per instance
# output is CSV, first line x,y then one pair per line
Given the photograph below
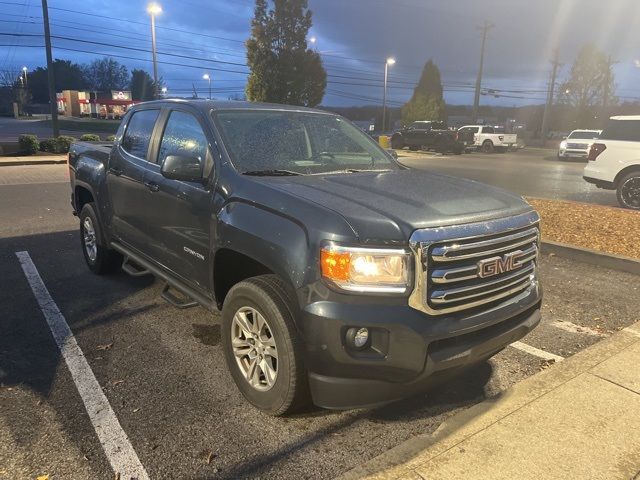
x,y
152,186
115,171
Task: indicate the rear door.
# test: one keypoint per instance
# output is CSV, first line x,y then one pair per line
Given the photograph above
x,y
125,177
178,213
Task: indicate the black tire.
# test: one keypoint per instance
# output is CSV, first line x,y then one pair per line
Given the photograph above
x,y
628,191
487,146
268,295
397,143
100,260
414,148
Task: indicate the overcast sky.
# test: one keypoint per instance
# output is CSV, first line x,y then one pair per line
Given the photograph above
x,y
353,36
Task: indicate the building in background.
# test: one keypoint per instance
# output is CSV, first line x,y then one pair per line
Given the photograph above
x,y
107,105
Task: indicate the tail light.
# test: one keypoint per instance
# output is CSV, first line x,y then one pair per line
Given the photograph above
x,y
456,136
595,150
501,137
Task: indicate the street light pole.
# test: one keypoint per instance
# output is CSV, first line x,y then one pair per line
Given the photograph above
x,y
51,81
206,76
154,9
24,72
390,61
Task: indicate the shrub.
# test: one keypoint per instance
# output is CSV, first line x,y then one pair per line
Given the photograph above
x,y
111,138
90,137
29,144
49,145
64,143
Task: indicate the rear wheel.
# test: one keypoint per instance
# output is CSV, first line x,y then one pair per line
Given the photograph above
x,y
487,146
628,191
261,345
99,258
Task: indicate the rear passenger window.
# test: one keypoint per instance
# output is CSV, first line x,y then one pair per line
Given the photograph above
x,y
488,130
625,130
183,135
137,137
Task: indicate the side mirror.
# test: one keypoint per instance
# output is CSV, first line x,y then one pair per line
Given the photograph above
x,y
182,167
392,152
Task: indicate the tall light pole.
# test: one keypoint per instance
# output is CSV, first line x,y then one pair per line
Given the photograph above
x,y
154,9
206,76
51,81
24,73
390,61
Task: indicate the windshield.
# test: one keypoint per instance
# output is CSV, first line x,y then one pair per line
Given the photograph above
x,y
297,143
584,135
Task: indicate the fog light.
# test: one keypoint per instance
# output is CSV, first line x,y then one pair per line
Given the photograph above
x,y
358,338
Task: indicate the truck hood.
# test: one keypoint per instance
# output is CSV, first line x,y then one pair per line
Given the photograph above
x,y
384,207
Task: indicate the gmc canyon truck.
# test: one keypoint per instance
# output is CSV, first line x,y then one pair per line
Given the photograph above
x,y
424,135
343,277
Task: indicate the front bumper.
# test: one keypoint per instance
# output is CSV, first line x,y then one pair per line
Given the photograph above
x,y
413,350
573,153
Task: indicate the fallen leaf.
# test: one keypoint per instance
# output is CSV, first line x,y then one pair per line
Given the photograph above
x,y
116,382
136,410
42,477
209,458
106,346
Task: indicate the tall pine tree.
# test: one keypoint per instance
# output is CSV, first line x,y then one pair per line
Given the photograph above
x,y
283,68
427,102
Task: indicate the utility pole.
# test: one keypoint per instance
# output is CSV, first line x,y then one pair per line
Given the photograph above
x,y
550,97
476,101
53,101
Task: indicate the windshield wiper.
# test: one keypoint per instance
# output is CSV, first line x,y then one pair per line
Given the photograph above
x,y
271,173
352,170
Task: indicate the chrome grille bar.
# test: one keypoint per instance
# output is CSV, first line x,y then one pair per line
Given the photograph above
x,y
451,275
441,297
456,251
466,266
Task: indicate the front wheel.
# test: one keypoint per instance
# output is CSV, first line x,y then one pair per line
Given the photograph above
x,y
628,191
99,258
261,346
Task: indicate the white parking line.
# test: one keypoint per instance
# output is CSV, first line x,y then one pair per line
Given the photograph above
x,y
114,440
536,351
573,328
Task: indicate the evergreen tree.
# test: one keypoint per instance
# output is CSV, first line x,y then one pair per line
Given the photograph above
x,y
283,68
142,86
427,102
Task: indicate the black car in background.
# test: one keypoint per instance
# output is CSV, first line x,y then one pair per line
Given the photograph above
x,y
427,135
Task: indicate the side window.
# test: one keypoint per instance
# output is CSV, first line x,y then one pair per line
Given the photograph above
x,y
625,130
488,130
183,135
137,137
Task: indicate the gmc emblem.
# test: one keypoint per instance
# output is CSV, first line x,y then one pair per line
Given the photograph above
x,y
496,265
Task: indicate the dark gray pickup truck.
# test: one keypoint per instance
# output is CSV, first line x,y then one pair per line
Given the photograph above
x,y
343,277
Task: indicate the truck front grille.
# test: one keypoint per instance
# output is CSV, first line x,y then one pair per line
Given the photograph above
x,y
464,272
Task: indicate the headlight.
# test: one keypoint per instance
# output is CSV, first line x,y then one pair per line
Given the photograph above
x,y
381,270
563,144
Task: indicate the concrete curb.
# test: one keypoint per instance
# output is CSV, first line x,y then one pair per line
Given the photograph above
x,y
43,160
399,461
592,257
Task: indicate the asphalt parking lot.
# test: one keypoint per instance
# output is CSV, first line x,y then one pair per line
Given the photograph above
x,y
163,373
530,172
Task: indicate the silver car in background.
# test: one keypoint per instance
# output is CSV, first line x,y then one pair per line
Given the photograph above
x,y
577,144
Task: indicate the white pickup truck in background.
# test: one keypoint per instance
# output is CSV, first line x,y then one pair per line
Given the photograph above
x,y
486,138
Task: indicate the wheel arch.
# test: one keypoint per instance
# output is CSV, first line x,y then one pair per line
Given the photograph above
x,y
624,172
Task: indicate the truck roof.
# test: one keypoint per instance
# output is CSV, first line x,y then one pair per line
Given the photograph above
x,y
207,105
626,117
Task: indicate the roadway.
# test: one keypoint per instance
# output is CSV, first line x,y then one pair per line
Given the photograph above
x,y
530,172
163,374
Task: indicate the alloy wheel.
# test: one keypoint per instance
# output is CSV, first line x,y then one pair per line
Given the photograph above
x,y
254,348
630,192
89,239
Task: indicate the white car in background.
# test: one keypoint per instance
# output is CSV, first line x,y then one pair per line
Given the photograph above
x,y
486,138
614,160
577,144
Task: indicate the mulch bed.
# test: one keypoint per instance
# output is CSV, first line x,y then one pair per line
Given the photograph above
x,y
606,229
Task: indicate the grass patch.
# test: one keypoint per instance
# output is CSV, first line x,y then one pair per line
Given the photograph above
x,y
606,229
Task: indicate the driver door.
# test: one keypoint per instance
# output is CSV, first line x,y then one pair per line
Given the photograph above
x,y
179,212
